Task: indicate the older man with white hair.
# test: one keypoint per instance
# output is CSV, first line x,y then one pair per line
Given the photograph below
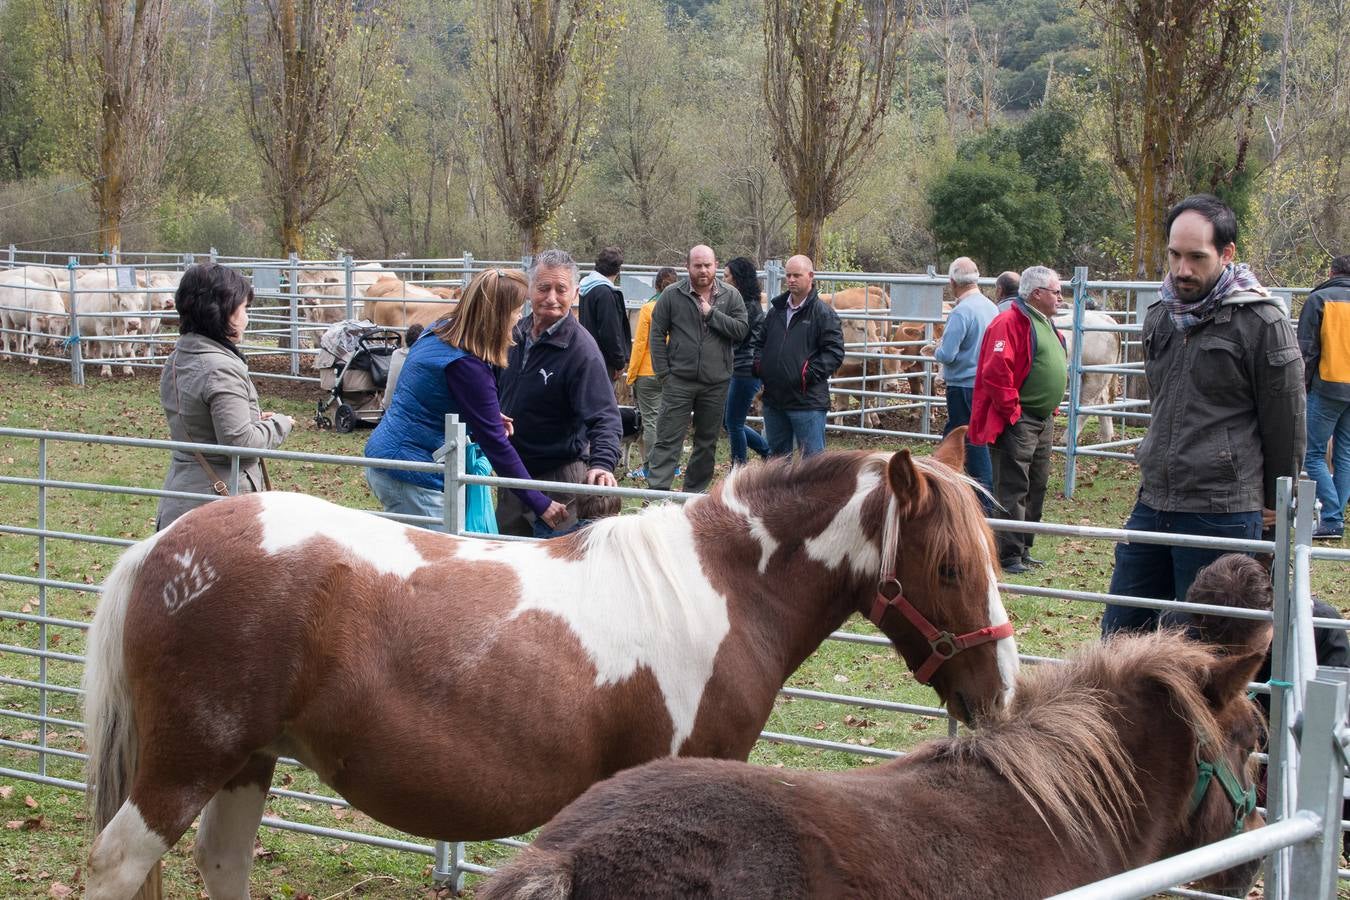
x,y
959,353
1019,382
556,397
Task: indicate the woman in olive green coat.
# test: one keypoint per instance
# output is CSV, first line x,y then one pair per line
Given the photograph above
x,y
207,395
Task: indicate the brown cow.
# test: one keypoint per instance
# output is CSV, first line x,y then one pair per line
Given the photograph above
x,y
393,303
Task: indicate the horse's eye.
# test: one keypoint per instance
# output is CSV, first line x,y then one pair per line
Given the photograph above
x,y
948,573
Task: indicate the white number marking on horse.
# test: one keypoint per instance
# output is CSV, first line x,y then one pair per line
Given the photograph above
x,y
638,598
289,520
194,579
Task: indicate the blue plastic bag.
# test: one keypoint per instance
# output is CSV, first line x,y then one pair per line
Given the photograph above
x,y
479,513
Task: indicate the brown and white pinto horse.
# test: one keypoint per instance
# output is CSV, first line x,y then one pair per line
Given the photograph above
x,y
1138,749
466,689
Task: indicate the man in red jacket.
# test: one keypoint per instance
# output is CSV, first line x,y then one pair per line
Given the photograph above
x,y
1019,383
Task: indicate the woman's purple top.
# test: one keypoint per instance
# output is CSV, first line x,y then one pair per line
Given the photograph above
x,y
474,388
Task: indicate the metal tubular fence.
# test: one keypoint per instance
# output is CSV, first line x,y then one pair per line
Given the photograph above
x,y
1305,776
297,300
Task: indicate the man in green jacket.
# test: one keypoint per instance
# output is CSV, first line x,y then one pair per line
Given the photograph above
x,y
696,325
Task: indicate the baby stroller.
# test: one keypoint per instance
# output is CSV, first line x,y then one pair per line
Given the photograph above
x,y
353,368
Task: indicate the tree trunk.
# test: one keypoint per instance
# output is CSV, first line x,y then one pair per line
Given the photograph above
x,y
809,227
531,239
1152,196
292,238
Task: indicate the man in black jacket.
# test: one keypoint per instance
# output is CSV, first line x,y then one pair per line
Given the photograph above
x,y
799,348
556,397
602,311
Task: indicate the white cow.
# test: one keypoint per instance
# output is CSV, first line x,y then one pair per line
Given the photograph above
x,y
1100,348
159,305
324,287
43,276
108,315
33,317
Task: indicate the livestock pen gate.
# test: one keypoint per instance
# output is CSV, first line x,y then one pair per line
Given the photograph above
x,y
1307,733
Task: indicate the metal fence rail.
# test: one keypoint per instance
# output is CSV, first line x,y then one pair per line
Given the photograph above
x,y
1292,618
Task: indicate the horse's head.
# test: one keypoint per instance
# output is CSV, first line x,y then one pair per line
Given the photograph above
x,y
937,598
1223,801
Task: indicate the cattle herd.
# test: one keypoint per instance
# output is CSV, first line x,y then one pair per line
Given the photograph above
x,y
120,317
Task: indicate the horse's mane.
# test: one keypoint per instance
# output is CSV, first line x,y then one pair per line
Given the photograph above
x,y
1058,743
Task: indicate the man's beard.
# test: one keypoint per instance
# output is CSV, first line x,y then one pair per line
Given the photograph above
x,y
1189,292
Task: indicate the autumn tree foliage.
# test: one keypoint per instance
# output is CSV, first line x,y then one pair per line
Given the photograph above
x,y
310,71
539,74
1175,69
114,76
829,70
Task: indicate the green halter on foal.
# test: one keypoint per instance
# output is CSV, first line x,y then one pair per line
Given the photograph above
x,y
1243,800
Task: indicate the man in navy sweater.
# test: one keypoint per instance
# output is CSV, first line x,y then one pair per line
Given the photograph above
x,y
556,393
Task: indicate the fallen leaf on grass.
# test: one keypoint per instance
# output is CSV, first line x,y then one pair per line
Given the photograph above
x,y
34,823
6,791
29,801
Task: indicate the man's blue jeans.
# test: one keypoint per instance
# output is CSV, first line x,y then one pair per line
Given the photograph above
x,y
960,401
1161,572
743,438
1329,419
804,427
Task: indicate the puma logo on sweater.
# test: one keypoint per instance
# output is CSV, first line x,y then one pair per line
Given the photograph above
x,y
547,375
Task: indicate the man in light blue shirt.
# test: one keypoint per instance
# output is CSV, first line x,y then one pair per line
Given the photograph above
x,y
958,352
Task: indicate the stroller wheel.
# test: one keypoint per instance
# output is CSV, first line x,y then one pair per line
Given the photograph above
x,y
344,420
321,418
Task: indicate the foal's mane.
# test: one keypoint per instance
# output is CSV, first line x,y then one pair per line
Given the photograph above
x,y
1059,744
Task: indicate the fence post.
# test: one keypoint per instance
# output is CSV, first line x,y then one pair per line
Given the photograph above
x,y
1075,380
449,857
76,358
114,255
189,259
1280,744
42,604
467,274
294,288
1313,867
456,439
215,255
447,870
347,280
12,252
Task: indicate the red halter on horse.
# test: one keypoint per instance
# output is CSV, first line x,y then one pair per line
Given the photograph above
x,y
1138,749
465,689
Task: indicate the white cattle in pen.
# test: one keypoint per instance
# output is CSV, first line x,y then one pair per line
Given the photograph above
x,y
1100,348
323,291
42,276
107,314
159,305
32,315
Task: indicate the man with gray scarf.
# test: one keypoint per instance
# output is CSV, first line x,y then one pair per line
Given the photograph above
x,y
1226,380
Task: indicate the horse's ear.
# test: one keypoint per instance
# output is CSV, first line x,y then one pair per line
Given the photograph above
x,y
1243,583
952,450
909,484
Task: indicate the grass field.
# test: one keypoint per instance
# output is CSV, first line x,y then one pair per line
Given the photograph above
x,y
44,836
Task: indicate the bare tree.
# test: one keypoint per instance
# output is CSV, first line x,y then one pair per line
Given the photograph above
x,y
1175,68
828,73
639,126
539,72
115,73
311,69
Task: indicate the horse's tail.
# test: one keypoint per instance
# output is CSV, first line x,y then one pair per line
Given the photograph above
x,y
109,723
533,875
